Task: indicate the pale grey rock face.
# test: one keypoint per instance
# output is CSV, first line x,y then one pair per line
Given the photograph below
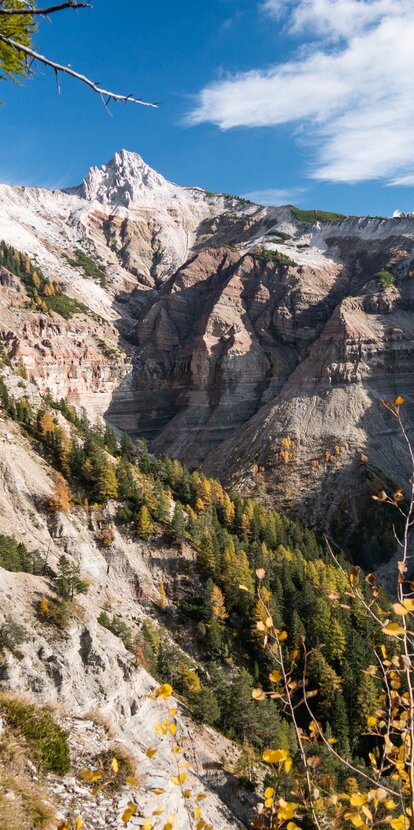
x,y
227,352
86,671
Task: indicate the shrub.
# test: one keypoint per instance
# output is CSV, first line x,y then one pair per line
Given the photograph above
x,y
47,741
12,635
53,611
385,278
119,628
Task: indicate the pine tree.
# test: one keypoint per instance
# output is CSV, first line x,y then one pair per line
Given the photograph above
x,y
127,484
47,424
111,441
218,604
128,448
144,524
107,485
59,501
340,724
69,581
161,503
178,525
162,601
206,707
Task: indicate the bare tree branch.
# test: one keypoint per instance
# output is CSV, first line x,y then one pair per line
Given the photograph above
x,y
57,67
69,4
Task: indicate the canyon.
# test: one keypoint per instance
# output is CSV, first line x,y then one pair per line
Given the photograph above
x,y
223,330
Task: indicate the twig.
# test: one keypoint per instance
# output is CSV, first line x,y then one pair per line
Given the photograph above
x,y
69,4
112,96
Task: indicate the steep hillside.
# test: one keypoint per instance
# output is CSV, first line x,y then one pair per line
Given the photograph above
x,y
120,572
220,330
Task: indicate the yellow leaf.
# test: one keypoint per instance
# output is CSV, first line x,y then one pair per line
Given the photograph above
x,y
288,765
258,694
173,728
400,823
274,756
357,800
355,820
164,691
158,791
399,401
90,775
371,722
129,812
173,712
147,824
393,629
283,636
409,604
269,792
114,765
275,677
260,573
261,626
197,812
402,610
78,824
132,781
150,752
201,797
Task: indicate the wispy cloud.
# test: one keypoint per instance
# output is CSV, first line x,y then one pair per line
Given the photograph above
x,y
351,88
274,196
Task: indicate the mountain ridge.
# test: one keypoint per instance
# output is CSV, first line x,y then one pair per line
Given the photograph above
x,y
297,314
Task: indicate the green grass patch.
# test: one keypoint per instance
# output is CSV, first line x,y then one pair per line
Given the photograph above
x,y
44,294
90,269
310,217
385,278
48,743
277,257
280,234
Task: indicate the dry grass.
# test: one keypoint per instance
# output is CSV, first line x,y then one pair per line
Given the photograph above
x,y
97,717
24,804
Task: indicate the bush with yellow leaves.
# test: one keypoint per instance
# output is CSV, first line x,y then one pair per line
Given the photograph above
x,y
304,794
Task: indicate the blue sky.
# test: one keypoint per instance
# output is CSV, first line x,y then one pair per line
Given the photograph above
x,y
304,101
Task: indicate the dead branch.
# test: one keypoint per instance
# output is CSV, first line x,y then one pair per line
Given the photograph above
x,y
31,12
103,93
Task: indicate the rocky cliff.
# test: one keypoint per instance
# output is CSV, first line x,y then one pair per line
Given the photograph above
x,y
223,331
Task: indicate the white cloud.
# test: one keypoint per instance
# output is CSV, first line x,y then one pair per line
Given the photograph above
x,y
333,18
274,196
351,92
